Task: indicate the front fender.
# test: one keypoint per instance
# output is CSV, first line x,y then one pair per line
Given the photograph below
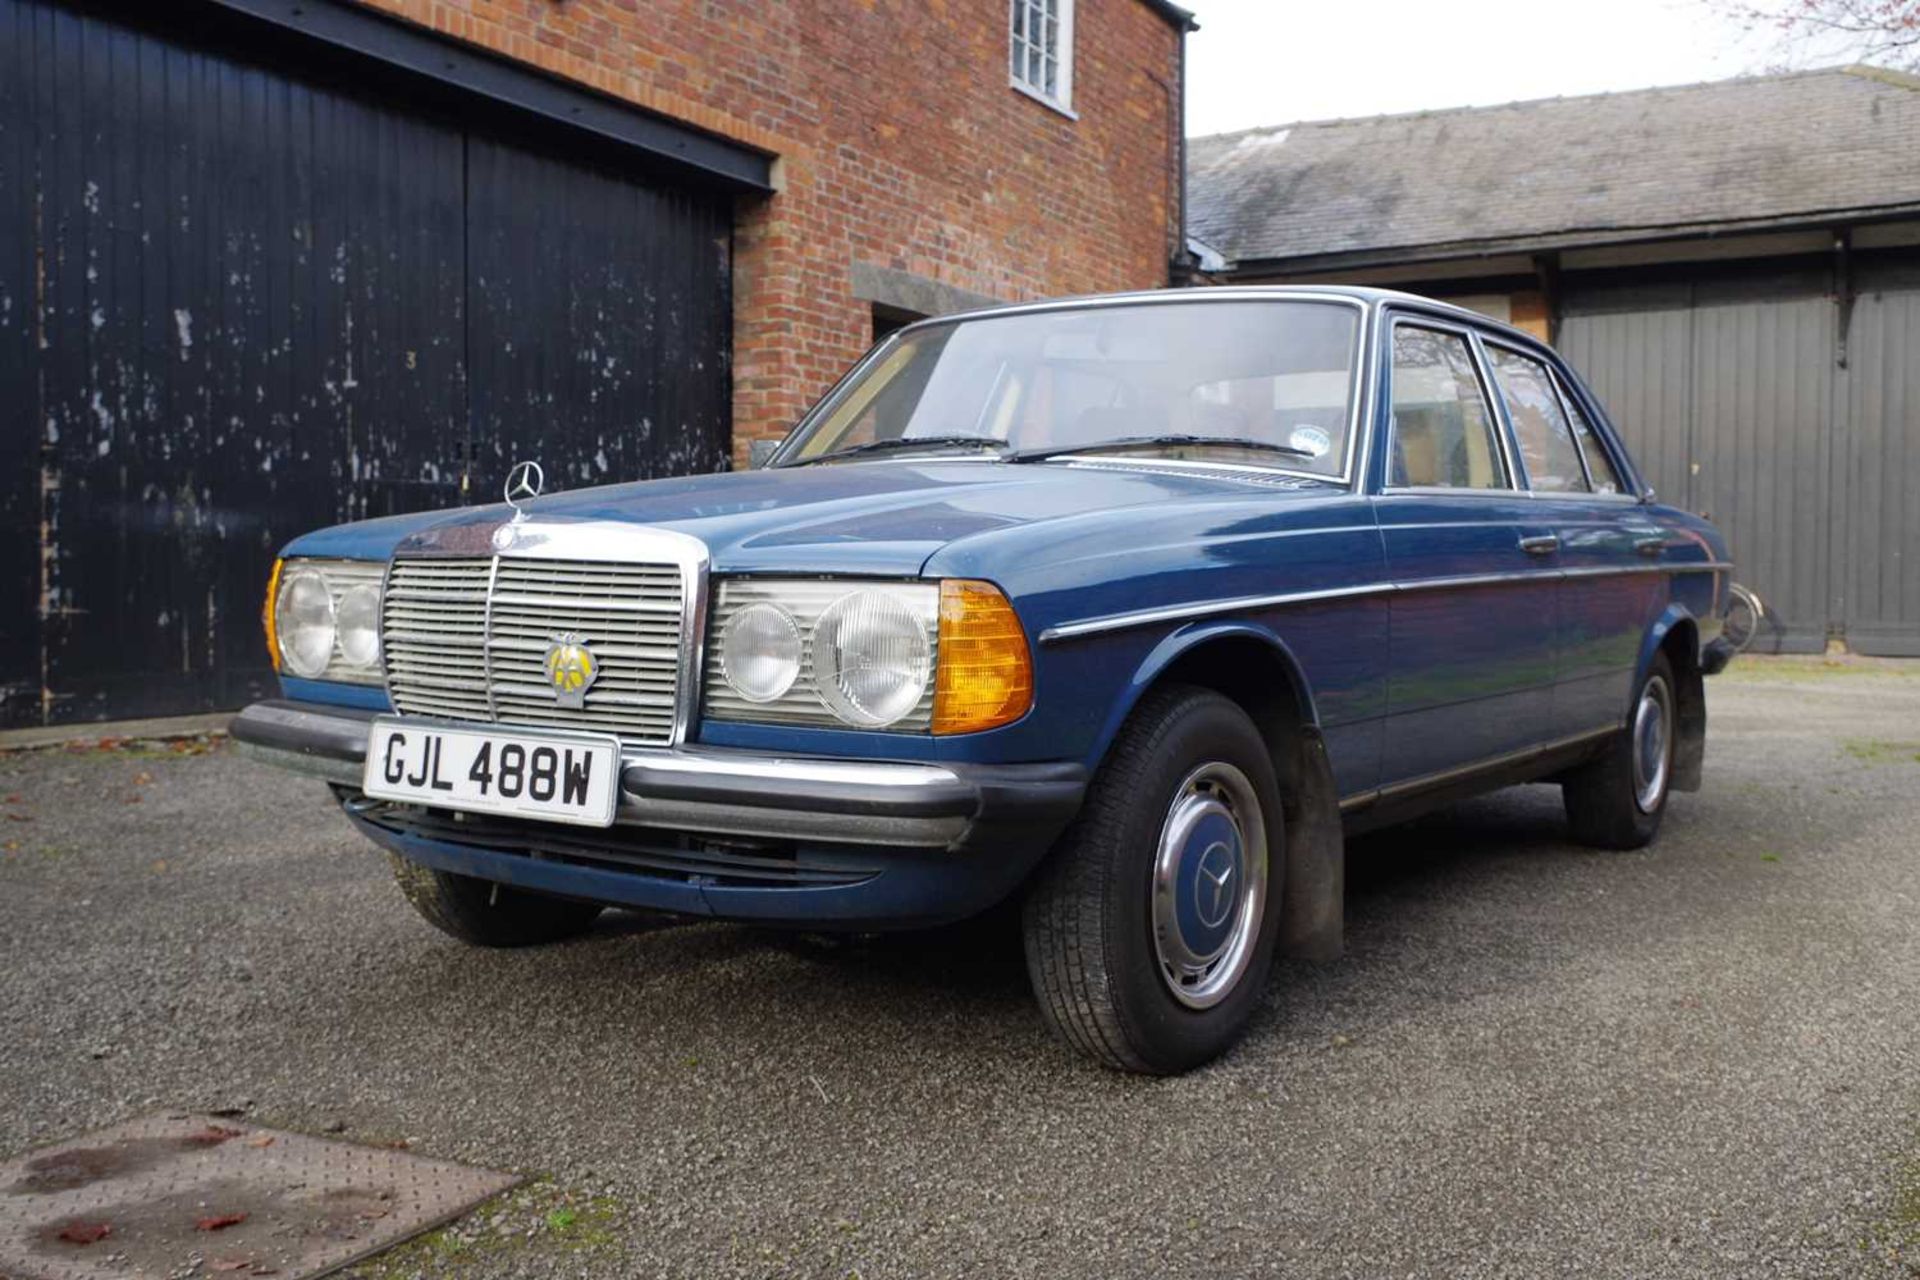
x,y
1186,642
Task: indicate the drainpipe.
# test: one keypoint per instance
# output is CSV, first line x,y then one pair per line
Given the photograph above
x,y
1180,268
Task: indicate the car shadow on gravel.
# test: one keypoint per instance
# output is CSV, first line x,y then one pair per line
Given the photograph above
x,y
1429,907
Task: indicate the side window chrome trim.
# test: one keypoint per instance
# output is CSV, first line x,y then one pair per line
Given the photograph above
x,y
1559,399
1394,319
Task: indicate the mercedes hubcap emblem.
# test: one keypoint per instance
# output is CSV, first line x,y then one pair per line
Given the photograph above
x,y
1213,888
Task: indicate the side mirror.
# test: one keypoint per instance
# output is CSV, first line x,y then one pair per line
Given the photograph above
x,y
760,452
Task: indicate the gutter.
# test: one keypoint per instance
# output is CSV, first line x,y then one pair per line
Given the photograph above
x,y
1181,264
1173,15
1456,251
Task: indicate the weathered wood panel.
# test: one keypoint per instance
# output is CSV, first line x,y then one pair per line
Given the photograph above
x,y
240,299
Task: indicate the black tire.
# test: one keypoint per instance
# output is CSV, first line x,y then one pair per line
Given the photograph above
x,y
1094,916
486,914
1608,806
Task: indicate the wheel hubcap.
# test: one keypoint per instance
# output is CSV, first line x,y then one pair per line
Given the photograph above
x,y
1652,744
1209,884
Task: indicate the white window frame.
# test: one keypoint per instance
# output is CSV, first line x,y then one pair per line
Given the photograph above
x,y
1062,101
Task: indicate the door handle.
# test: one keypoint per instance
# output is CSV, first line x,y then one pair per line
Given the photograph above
x,y
1544,544
1651,547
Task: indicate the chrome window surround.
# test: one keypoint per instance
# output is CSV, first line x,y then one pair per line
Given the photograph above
x,y
341,576
1360,412
1568,405
1510,467
1571,407
1553,388
1572,393
609,541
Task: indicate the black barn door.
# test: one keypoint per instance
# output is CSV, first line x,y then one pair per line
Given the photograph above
x,y
238,302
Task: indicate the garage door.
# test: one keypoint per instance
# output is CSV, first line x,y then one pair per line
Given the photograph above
x,y
239,300
1735,399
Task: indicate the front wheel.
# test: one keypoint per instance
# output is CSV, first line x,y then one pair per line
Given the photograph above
x,y
1617,801
1150,933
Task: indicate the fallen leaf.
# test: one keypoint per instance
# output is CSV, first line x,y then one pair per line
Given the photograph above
x,y
142,778
230,1264
19,817
12,799
264,1140
85,1232
11,846
159,864
220,1222
131,800
398,1144
211,1136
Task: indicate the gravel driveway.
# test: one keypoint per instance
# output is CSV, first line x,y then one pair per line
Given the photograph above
x,y
1702,1060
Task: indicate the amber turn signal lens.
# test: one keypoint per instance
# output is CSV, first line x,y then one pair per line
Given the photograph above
x,y
985,672
266,615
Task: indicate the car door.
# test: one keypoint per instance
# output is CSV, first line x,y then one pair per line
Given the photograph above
x,y
1471,624
1606,542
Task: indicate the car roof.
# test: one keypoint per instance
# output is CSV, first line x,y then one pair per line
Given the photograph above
x,y
1369,297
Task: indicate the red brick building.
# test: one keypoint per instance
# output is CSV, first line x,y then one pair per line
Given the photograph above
x,y
268,265
911,175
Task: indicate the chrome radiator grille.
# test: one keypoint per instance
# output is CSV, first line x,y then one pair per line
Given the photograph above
x,y
466,638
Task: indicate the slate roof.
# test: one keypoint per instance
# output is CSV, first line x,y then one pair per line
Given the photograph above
x,y
1755,151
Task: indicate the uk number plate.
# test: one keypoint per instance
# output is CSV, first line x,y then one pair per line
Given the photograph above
x,y
527,773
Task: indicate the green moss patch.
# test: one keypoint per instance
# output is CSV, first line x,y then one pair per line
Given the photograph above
x,y
536,1218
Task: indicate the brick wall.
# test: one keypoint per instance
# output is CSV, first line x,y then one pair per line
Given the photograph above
x,y
901,145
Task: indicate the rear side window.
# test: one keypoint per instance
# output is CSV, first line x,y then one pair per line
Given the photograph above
x,y
1539,423
1600,467
1442,428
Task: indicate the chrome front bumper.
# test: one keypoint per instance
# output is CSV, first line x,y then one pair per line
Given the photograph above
x,y
738,793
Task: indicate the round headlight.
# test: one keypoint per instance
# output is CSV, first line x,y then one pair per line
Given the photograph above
x,y
304,617
871,658
760,652
358,615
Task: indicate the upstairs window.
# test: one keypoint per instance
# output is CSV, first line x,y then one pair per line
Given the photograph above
x,y
1041,51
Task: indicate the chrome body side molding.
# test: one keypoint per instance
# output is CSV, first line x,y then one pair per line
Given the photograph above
x,y
1249,604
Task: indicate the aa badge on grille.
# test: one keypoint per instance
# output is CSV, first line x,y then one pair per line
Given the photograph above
x,y
571,669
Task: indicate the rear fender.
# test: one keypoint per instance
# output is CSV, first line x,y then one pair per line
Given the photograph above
x,y
1677,634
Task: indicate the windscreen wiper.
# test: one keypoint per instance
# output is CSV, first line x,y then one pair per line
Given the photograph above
x,y
906,442
1155,442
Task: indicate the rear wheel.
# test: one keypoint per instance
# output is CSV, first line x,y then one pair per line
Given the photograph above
x,y
1150,932
487,914
1617,801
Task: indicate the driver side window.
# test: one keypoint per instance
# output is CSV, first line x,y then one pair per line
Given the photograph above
x,y
1442,430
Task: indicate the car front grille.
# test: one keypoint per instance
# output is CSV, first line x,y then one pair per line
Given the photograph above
x,y
466,638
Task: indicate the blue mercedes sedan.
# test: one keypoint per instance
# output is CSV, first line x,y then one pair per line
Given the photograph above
x,y
1124,609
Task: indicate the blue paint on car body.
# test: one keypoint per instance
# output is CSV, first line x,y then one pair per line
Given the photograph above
x,y
1411,628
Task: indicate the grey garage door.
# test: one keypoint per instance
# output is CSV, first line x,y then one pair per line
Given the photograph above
x,y
1734,396
243,295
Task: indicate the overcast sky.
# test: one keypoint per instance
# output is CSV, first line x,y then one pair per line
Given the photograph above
x,y
1261,62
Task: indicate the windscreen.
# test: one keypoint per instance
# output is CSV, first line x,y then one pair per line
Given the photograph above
x,y
1273,373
